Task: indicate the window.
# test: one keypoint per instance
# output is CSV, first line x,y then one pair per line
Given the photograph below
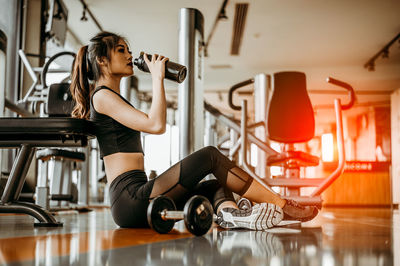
x,y
327,147
161,151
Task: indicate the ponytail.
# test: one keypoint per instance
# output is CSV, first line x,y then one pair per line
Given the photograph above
x,y
80,87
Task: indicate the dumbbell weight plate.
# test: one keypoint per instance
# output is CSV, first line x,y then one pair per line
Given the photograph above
x,y
198,215
154,210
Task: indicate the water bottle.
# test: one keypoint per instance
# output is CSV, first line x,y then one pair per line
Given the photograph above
x,y
173,71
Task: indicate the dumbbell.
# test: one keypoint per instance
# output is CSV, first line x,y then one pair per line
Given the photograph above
x,y
197,214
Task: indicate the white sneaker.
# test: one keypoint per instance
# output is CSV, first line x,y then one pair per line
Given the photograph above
x,y
260,217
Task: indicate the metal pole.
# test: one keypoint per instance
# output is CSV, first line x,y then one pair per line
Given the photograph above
x,y
84,180
18,174
134,83
342,158
94,164
261,100
210,133
190,100
125,88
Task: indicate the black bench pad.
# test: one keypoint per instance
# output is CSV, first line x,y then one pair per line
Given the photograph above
x,y
44,132
47,154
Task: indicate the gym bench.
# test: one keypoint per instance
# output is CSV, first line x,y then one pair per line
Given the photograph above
x,y
28,134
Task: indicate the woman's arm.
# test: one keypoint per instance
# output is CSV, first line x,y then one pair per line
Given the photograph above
x,y
108,103
158,112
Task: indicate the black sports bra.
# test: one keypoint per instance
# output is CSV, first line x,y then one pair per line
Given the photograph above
x,y
112,136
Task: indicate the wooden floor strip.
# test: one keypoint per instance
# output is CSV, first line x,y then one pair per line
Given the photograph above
x,y
29,248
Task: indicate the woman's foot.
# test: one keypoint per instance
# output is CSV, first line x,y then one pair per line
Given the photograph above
x,y
294,211
260,217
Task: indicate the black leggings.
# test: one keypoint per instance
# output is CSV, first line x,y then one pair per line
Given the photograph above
x,y
130,192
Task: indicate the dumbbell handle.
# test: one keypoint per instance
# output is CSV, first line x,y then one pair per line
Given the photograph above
x,y
172,215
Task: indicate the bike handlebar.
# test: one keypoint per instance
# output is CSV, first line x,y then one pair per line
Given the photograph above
x,y
43,75
232,90
347,87
329,80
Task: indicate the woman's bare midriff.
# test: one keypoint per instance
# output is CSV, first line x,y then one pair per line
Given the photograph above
x,y
121,162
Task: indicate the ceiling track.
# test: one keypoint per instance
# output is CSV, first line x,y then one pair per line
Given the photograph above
x,y
86,8
238,27
221,15
384,53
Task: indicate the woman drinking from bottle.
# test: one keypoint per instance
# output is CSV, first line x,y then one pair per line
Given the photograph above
x,y
97,72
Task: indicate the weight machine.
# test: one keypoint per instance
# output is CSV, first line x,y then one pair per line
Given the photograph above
x,y
290,120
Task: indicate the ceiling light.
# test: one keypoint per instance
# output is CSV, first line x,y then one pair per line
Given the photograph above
x,y
222,15
84,18
371,66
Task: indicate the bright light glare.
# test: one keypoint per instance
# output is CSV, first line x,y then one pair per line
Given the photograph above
x,y
276,146
174,144
253,154
327,147
157,152
161,151
276,170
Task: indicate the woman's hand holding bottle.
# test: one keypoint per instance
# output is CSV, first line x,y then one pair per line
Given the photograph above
x,y
156,65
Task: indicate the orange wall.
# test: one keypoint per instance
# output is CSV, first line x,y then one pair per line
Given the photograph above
x,y
354,188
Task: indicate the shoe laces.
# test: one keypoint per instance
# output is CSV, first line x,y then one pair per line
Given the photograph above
x,y
295,204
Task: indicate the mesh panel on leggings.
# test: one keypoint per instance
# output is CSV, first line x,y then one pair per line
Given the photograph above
x,y
227,173
238,180
182,178
167,184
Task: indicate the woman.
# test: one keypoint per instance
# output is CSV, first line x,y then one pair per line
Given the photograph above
x,y
95,86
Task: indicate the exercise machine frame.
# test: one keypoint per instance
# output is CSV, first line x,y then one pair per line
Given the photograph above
x,y
28,134
320,184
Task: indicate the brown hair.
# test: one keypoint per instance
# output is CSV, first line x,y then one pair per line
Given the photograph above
x,y
86,70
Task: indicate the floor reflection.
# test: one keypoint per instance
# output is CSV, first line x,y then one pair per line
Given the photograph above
x,y
304,246
335,237
277,247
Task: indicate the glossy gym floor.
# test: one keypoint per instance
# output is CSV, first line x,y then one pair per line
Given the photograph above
x,y
337,236
310,87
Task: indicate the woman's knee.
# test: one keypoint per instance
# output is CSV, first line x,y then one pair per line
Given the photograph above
x,y
211,149
206,154
211,152
218,158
